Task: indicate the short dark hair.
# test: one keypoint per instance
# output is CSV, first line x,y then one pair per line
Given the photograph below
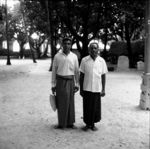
x,y
67,39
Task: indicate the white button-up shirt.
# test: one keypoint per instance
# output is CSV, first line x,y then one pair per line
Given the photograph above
x,y
65,65
92,73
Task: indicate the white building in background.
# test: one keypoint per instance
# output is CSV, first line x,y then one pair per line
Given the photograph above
x,y
16,46
74,46
13,45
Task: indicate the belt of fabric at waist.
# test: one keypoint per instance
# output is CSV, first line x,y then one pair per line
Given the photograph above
x,y
69,77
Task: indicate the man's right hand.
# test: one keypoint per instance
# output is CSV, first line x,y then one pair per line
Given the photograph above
x,y
53,90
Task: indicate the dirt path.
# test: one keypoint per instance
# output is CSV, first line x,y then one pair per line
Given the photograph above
x,y
26,119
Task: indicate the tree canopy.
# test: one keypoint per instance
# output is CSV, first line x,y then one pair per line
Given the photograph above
x,y
82,20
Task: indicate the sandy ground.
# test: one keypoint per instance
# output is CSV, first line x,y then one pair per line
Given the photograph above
x,y
27,120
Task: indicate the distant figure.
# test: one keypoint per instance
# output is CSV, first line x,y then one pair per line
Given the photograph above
x,y
92,86
65,82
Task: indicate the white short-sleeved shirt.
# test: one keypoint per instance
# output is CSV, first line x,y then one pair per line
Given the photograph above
x,y
92,73
64,65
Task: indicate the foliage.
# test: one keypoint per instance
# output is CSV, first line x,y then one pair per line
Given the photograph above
x,y
82,20
130,13
35,17
120,48
85,20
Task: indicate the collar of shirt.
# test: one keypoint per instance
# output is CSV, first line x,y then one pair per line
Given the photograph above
x,y
66,54
94,60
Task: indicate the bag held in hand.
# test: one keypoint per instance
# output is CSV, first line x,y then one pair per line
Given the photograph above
x,y
52,99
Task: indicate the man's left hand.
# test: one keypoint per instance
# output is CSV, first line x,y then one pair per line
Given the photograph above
x,y
102,93
76,88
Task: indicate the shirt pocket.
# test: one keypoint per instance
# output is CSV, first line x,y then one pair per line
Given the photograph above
x,y
98,69
70,65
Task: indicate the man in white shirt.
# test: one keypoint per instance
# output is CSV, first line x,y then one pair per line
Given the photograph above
x,y
92,86
65,82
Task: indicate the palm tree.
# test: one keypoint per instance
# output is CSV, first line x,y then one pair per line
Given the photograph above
x,y
7,38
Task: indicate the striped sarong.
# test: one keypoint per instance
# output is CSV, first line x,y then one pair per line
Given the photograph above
x,y
65,100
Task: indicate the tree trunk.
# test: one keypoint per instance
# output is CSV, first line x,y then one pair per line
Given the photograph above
x,y
104,55
32,51
85,40
38,52
28,40
84,51
21,52
7,38
130,54
50,30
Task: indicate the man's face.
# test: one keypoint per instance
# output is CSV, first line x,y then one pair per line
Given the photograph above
x,y
66,46
94,51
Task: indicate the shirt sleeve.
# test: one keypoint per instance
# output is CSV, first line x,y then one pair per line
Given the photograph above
x,y
54,70
105,69
76,71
